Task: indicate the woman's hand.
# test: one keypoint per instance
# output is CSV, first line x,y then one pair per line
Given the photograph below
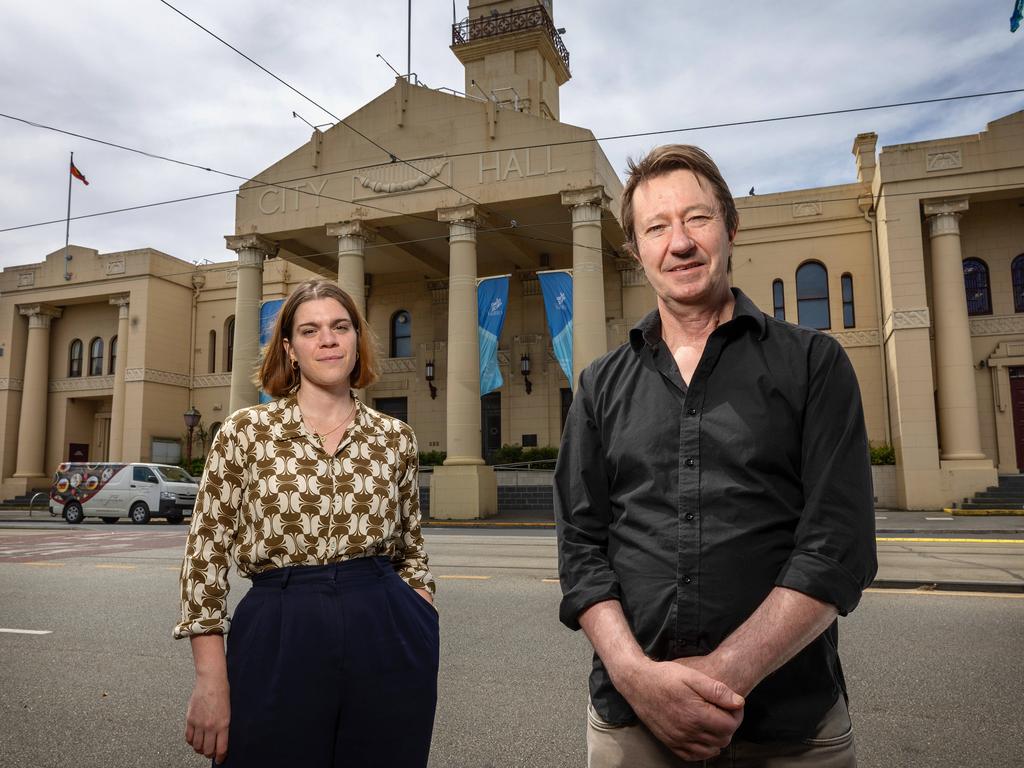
x,y
209,708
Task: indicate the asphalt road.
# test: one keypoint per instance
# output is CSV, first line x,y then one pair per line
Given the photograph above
x,y
935,678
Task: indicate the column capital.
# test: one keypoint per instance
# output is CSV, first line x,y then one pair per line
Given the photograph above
x,y
121,302
595,196
251,242
354,228
944,215
40,315
460,214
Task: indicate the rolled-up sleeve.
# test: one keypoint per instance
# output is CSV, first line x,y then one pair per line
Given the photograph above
x,y
582,511
204,571
412,563
834,556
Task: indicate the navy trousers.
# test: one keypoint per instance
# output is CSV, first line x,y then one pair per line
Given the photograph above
x,y
332,666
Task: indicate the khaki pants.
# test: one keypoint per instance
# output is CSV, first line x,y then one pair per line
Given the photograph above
x,y
634,746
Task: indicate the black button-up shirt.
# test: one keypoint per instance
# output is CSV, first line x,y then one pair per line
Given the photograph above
x,y
688,504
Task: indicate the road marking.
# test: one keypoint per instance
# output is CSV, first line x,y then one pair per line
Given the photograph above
x,y
877,517
922,540
947,593
45,565
938,518
465,578
550,581
26,631
118,567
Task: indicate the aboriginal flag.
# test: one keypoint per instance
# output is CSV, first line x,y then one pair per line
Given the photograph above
x,y
78,174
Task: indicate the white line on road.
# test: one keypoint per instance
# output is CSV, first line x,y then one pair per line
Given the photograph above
x,y
938,518
877,517
27,631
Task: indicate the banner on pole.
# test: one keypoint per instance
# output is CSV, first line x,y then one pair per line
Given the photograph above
x,y
268,316
492,301
557,289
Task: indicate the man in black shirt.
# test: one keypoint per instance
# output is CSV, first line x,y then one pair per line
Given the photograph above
x,y
714,506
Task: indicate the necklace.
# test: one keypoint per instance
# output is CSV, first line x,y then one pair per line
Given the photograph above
x,y
333,429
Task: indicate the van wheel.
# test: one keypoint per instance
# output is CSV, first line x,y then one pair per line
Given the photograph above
x,y
139,513
110,520
73,513
174,519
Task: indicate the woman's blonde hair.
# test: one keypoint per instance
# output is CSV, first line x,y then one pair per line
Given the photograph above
x,y
277,377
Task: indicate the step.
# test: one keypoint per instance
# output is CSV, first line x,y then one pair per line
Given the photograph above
x,y
991,505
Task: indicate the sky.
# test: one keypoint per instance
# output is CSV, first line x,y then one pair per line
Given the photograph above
x,y
135,73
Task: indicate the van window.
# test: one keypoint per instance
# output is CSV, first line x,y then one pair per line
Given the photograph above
x,y
143,475
174,474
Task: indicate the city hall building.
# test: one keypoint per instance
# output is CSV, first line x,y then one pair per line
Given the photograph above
x,y
916,267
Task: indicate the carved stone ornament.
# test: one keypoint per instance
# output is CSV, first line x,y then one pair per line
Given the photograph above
x,y
211,380
157,376
943,160
912,318
115,266
806,208
14,385
26,279
998,325
867,338
400,177
398,365
82,383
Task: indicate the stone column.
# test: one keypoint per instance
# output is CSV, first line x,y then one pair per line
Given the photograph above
x,y
464,487
252,249
589,336
463,379
352,237
31,458
116,448
959,434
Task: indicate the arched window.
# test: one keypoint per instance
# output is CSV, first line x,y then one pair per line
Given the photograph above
x,y
229,343
1017,271
848,317
979,294
113,355
778,299
213,352
75,358
401,334
812,296
96,357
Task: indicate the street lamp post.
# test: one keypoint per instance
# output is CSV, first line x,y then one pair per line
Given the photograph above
x,y
192,417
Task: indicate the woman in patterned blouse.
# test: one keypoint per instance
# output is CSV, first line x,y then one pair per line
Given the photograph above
x,y
332,655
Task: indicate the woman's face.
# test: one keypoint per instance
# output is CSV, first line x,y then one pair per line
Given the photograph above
x,y
324,343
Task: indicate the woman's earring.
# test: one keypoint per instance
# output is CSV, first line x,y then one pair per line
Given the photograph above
x,y
295,364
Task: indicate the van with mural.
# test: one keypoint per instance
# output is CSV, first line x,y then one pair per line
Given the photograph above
x,y
110,491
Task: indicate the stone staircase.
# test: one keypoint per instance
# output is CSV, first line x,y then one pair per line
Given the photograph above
x,y
1009,494
22,502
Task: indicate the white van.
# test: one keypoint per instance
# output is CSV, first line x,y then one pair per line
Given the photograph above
x,y
112,491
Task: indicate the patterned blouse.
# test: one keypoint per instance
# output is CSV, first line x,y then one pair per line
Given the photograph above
x,y
271,497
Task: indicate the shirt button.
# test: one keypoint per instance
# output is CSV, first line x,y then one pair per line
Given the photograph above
x,y
689,516
690,462
687,579
691,412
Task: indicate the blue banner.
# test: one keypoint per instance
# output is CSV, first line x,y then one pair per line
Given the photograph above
x,y
557,289
1018,13
268,316
492,301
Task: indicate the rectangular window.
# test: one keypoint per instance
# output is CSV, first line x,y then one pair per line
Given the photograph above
x,y
165,451
848,316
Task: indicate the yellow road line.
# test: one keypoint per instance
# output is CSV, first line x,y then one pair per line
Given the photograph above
x,y
465,578
550,581
44,565
117,567
927,540
947,593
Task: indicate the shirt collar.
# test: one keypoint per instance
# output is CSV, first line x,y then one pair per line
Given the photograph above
x,y
287,424
648,331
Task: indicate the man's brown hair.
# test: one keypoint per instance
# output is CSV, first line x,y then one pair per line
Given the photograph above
x,y
276,376
665,159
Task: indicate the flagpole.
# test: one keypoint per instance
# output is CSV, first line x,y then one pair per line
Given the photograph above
x,y
67,227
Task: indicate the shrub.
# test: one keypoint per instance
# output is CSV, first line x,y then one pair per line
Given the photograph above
x,y
882,454
432,458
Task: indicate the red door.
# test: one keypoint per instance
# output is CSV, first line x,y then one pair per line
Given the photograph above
x,y
1017,401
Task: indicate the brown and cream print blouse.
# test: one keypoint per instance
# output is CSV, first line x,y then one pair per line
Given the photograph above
x,y
271,497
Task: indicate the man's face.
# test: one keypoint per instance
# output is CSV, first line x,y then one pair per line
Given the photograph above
x,y
682,242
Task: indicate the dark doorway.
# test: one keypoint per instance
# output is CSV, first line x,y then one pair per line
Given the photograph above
x,y
78,451
490,425
396,407
566,395
1017,400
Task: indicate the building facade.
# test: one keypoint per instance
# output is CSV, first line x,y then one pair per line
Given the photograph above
x,y
916,267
